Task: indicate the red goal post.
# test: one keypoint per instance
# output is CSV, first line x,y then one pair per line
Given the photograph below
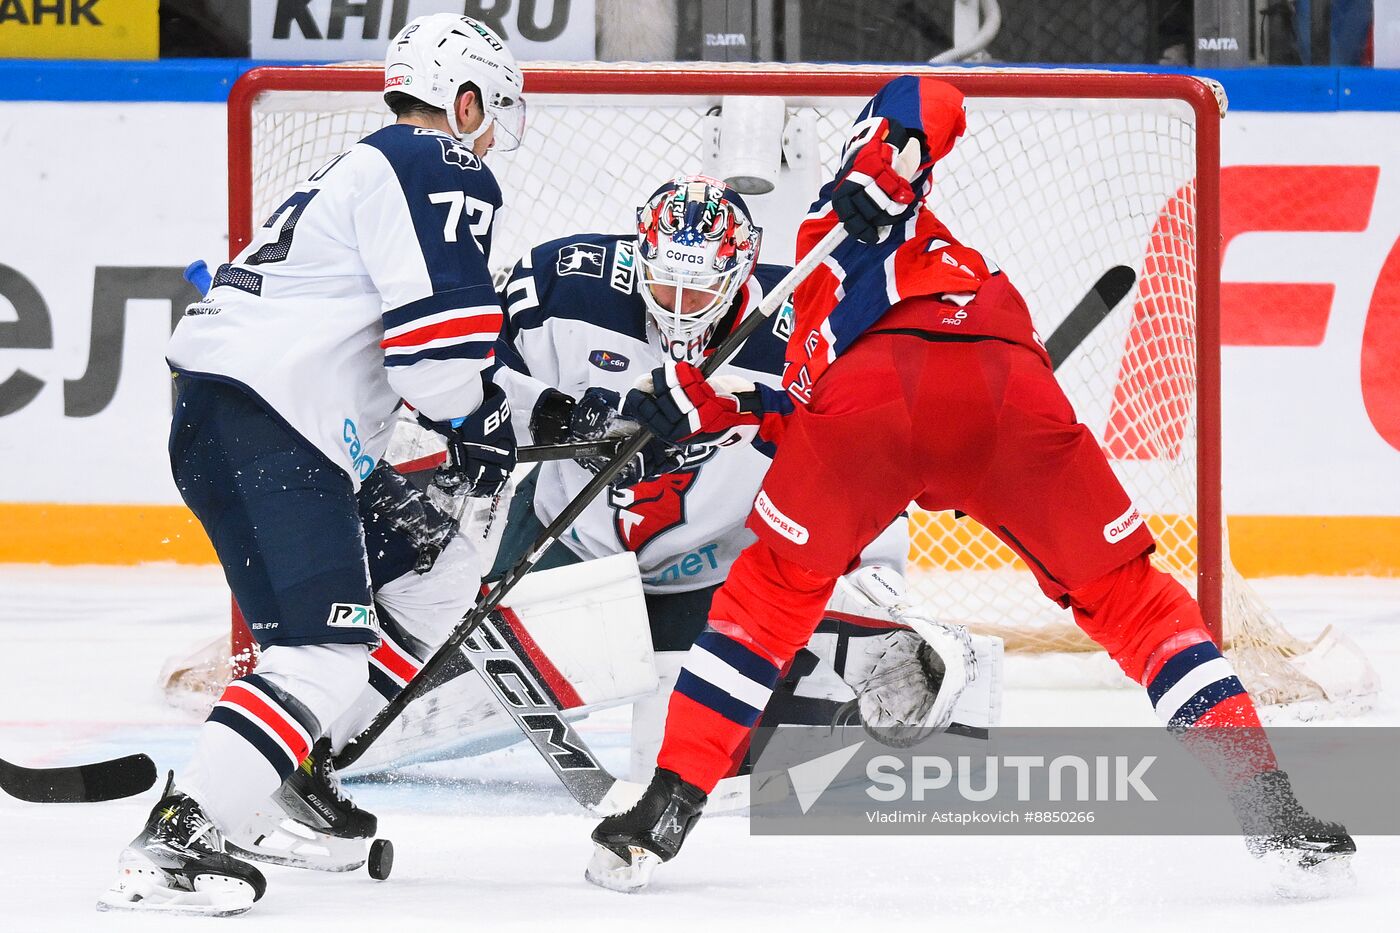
x,y
1051,146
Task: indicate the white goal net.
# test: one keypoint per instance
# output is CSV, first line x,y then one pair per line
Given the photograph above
x,y
1060,178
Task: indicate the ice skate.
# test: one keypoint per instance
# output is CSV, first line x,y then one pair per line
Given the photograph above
x,y
1306,856
312,823
630,845
178,865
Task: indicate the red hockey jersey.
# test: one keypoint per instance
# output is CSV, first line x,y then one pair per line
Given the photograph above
x,y
858,283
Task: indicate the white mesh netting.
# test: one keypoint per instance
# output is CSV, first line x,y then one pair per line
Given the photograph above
x,y
1055,191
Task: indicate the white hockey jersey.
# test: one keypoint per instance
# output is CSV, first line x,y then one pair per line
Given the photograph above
x,y
575,320
367,285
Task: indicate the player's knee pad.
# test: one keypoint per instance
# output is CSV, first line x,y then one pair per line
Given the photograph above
x,y
1140,615
325,679
770,602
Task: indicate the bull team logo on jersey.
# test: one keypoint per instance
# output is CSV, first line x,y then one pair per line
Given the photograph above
x,y
608,361
581,259
643,512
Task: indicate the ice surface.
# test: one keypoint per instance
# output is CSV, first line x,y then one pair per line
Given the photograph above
x,y
494,844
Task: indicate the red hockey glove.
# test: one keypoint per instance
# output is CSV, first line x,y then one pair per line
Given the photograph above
x,y
678,405
874,191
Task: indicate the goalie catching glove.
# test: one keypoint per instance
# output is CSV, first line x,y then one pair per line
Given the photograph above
x,y
677,403
559,419
907,680
874,191
480,448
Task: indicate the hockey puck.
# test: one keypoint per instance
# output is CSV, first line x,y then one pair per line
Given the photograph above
x,y
381,859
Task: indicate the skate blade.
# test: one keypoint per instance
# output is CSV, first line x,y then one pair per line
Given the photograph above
x,y
213,895
607,870
296,845
1307,875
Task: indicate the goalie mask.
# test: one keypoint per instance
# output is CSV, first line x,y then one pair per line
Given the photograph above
x,y
697,245
435,55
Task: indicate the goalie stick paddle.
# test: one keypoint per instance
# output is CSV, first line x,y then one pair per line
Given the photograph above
x,y
1110,289
494,650
103,780
628,449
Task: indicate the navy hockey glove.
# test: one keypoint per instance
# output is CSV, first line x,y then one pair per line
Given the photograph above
x,y
873,192
480,448
559,419
678,404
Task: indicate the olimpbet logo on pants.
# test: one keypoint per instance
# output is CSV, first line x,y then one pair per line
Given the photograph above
x,y
774,517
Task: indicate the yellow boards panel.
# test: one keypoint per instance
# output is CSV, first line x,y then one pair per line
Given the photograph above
x,y
79,29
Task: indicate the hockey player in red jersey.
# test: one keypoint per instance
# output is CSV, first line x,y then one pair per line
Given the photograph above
x,y
917,376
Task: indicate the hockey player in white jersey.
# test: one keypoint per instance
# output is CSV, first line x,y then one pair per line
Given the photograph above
x,y
587,315
367,285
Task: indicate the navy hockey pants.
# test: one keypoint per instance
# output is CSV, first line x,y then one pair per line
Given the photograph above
x,y
282,517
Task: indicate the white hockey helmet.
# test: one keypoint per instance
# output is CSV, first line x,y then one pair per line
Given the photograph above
x,y
694,235
434,55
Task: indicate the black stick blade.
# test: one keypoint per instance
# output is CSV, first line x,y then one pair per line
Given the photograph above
x,y
103,780
1089,313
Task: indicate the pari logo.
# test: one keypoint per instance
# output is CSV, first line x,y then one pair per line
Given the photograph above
x,y
352,615
624,275
608,361
362,465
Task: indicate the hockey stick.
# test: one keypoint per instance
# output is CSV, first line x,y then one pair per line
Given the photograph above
x,y
478,616
573,450
1089,313
494,649
103,780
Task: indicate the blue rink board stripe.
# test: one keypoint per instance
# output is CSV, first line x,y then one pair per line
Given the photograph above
x,y
1295,89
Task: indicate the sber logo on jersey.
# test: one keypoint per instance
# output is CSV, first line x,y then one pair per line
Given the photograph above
x,y
1123,525
779,522
608,361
